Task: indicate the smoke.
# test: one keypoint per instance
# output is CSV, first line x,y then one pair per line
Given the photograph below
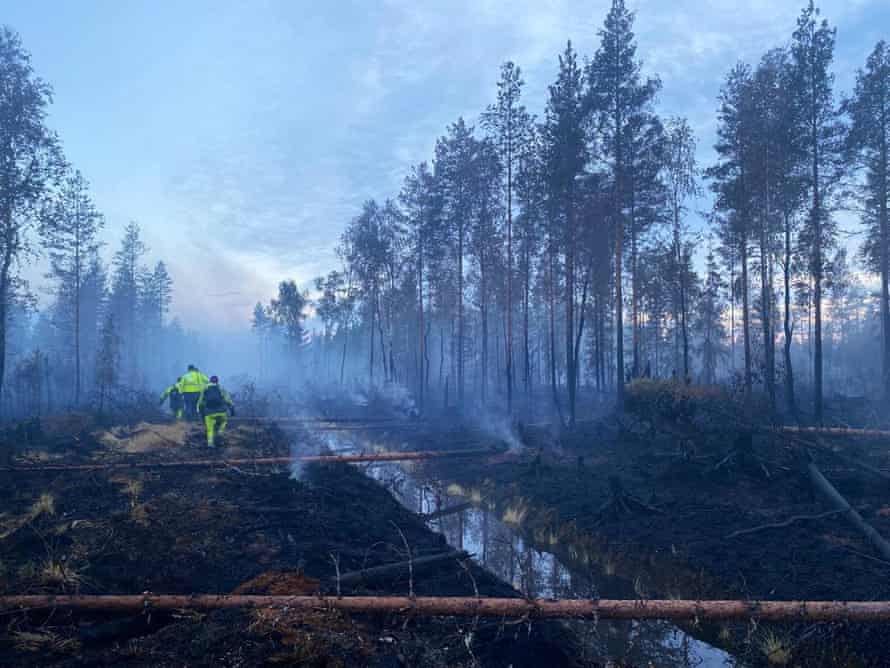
x,y
499,427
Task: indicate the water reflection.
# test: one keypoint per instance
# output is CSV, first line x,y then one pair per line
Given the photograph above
x,y
538,573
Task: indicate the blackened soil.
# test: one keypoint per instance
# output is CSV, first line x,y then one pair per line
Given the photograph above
x,y
560,487
219,530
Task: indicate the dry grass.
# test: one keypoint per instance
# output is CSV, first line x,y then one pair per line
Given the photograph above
x,y
58,573
146,437
45,505
516,513
776,649
26,641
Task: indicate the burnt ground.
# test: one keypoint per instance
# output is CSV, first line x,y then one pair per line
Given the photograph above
x,y
224,530
665,453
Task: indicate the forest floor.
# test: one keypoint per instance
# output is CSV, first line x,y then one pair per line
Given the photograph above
x,y
224,530
667,529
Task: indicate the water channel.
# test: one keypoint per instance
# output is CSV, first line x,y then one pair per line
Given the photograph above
x,y
537,572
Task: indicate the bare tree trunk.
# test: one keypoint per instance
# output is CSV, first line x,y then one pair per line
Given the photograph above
x,y
816,221
509,343
460,317
525,320
746,314
421,339
551,298
484,314
788,326
885,252
570,310
769,379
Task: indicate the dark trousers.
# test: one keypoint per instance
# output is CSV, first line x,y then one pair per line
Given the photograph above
x,y
190,400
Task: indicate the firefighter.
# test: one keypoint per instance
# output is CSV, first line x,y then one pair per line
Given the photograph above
x,y
191,384
215,405
175,397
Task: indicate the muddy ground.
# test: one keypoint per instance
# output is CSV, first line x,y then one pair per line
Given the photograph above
x,y
223,530
671,538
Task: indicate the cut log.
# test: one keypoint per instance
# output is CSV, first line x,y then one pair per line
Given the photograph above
x,y
841,504
255,461
435,606
395,569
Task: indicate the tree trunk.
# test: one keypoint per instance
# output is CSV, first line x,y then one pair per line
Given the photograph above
x,y
570,310
746,315
421,338
788,326
509,344
884,239
551,298
816,220
460,316
619,308
769,379
484,314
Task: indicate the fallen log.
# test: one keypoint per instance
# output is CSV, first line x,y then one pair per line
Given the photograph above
x,y
258,461
445,512
820,482
836,431
435,606
785,523
390,570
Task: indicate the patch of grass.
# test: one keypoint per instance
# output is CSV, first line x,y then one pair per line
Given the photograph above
x,y
776,649
45,505
515,514
27,641
455,490
58,573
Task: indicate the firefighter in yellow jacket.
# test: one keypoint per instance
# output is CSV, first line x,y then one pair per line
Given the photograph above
x,y
175,397
215,405
191,384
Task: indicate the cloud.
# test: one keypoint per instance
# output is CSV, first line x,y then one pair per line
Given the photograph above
x,y
253,133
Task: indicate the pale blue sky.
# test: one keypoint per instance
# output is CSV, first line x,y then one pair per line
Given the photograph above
x,y
242,136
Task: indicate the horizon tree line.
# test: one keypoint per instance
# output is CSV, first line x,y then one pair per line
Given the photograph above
x,y
576,226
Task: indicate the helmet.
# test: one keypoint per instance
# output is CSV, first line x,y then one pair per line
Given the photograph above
x,y
192,367
214,379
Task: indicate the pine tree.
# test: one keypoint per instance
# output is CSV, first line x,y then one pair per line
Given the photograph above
x,y
731,182
510,125
456,164
812,51
107,363
125,294
681,176
709,321
420,202
565,153
70,235
868,144
622,106
31,162
530,191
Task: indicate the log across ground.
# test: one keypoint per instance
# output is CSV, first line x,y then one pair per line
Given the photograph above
x,y
236,531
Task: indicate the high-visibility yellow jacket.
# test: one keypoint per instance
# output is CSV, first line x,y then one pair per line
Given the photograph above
x,y
192,381
174,388
219,403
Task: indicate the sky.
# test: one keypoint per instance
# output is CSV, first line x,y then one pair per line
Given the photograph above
x,y
243,136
